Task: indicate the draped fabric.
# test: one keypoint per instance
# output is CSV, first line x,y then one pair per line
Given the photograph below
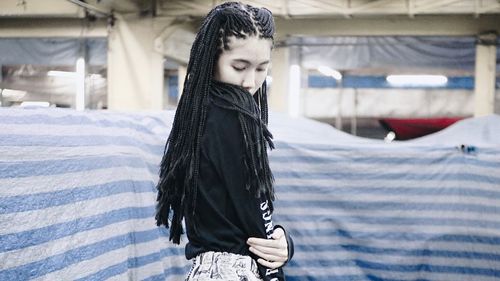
x,y
52,51
450,52
77,199
408,52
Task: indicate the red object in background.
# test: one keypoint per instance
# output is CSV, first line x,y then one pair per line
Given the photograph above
x,y
406,129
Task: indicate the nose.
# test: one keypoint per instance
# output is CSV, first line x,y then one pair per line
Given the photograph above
x,y
248,81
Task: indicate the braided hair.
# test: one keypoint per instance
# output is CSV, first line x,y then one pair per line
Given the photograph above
x,y
179,169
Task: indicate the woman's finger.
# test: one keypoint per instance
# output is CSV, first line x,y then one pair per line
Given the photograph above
x,y
263,242
278,233
271,265
269,255
278,241
280,252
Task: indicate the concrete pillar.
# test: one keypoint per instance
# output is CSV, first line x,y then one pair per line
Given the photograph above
x,y
484,89
135,69
280,70
295,78
181,72
166,90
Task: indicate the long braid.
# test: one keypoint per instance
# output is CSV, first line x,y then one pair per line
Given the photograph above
x,y
255,135
179,168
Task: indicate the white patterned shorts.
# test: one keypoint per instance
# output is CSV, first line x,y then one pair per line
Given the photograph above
x,y
223,266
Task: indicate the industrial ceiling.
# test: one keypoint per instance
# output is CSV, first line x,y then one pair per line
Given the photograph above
x,y
280,8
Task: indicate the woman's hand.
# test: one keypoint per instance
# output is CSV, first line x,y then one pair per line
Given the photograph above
x,y
273,252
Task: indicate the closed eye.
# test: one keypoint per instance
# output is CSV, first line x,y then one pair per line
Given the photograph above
x,y
239,68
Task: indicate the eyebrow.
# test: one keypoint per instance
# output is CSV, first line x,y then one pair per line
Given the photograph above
x,y
248,62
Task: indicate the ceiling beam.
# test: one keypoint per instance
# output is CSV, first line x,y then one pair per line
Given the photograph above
x,y
314,4
490,8
42,9
273,6
333,4
315,8
347,8
204,8
177,8
88,7
410,6
59,27
369,5
434,4
458,25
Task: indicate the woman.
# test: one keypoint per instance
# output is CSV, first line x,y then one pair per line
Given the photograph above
x,y
215,171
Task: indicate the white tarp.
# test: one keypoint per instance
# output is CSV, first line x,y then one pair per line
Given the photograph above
x,y
77,199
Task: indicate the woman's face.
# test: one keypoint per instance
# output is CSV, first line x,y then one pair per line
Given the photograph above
x,y
245,64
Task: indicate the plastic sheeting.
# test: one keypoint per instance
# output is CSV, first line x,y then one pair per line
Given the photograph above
x,y
336,52
52,51
345,53
77,199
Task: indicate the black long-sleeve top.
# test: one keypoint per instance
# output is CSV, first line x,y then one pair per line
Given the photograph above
x,y
226,213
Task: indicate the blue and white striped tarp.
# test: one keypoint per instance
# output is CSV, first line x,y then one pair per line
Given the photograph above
x,y
77,195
